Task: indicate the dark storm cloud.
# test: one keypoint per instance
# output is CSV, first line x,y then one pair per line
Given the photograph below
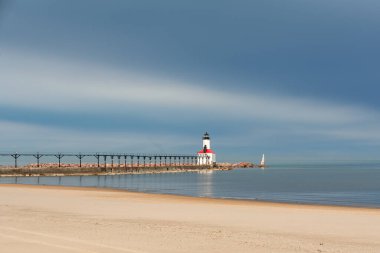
x,y
313,48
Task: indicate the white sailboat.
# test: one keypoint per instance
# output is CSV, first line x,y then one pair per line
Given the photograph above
x,y
262,162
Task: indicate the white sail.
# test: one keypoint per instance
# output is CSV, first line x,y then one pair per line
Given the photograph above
x,y
262,163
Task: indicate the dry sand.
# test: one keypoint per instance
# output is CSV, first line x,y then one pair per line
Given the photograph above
x,y
57,219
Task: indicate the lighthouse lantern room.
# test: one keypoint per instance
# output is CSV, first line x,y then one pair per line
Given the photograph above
x,y
206,156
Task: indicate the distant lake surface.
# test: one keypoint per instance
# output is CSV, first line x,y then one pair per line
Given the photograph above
x,y
347,184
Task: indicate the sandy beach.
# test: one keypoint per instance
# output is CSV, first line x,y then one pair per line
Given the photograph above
x,y
61,219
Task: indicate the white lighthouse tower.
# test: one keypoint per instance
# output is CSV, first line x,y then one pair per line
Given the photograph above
x,y
206,156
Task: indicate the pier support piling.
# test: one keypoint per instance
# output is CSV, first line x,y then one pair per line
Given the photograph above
x,y
118,161
59,156
105,161
15,156
38,156
97,156
80,156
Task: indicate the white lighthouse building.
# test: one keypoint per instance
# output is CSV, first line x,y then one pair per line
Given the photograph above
x,y
206,156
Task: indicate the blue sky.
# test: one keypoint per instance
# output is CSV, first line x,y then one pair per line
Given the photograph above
x,y
292,79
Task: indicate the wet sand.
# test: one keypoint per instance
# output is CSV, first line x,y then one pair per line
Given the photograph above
x,y
66,219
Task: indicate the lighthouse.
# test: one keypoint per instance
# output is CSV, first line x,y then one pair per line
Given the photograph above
x,y
206,156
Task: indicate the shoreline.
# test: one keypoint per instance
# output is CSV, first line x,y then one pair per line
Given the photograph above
x,y
189,197
44,219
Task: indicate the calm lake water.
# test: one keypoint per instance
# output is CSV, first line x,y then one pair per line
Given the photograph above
x,y
348,184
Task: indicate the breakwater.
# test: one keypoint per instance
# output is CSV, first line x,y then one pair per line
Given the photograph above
x,y
106,164
108,170
51,164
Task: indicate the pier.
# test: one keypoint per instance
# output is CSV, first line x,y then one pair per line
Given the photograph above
x,y
97,163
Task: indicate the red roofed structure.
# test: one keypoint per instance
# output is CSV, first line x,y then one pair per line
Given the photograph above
x,y
208,151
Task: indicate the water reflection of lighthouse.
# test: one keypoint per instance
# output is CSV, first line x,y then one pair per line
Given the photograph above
x,y
205,185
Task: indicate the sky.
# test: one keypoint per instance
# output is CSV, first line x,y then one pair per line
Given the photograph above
x,y
296,79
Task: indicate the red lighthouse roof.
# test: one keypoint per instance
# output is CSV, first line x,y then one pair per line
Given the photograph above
x,y
208,151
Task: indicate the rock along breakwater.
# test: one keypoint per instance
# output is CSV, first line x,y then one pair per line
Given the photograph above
x,y
91,169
